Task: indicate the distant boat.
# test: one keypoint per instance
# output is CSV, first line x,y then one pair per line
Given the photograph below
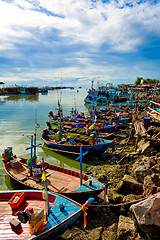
x,y
105,95
24,214
43,90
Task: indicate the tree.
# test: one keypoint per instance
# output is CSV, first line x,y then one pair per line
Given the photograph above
x,y
138,81
147,80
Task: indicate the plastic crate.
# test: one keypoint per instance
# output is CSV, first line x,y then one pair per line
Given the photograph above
x,y
16,200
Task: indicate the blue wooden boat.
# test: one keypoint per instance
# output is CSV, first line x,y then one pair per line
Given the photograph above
x,y
108,128
104,95
24,214
96,146
125,119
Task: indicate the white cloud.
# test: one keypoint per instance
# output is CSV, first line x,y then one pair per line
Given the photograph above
x,y
23,4
80,36
79,21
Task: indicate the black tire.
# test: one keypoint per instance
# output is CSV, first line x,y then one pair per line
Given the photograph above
x,y
23,217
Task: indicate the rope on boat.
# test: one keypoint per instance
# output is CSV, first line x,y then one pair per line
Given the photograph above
x,y
119,204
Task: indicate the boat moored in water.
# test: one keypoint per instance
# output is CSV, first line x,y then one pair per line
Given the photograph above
x,y
67,182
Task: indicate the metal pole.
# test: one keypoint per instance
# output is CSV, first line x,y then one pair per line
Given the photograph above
x,y
31,146
92,84
80,165
35,146
60,130
95,132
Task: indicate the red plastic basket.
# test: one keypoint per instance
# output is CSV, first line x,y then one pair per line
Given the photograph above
x,y
16,200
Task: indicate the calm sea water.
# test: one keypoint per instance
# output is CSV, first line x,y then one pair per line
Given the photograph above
x,y
18,115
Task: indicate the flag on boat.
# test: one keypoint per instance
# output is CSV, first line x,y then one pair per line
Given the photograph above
x,y
43,176
43,171
91,127
31,162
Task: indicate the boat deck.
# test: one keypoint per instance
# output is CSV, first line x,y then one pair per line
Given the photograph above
x,y
6,215
56,181
61,182
62,210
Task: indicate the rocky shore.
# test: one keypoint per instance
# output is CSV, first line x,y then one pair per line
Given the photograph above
x,y
131,208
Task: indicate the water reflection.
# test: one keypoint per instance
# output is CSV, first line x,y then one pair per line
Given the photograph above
x,y
31,98
17,122
18,97
12,184
64,161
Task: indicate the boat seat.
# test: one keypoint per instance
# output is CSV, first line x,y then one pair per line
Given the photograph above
x,y
23,179
63,190
36,178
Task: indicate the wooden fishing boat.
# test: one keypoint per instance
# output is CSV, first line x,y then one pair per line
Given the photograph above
x,y
107,128
95,146
70,183
70,127
24,214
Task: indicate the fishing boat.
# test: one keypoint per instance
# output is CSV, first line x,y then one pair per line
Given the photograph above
x,y
65,144
107,128
78,124
105,95
28,214
67,182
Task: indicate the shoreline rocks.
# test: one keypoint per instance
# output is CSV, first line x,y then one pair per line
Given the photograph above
x,y
147,214
133,175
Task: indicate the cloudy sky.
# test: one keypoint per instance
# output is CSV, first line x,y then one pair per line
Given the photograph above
x,y
71,42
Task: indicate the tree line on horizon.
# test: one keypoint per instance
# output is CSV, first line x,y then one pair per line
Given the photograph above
x,y
147,80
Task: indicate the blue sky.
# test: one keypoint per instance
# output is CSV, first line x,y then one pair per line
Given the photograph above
x,y
71,43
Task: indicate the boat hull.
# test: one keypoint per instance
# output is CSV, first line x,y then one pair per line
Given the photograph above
x,y
61,180
54,227
107,129
95,149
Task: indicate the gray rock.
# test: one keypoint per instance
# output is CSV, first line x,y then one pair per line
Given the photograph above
x,y
128,185
144,147
147,214
95,234
114,197
131,198
140,173
148,162
143,167
126,229
151,184
110,232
